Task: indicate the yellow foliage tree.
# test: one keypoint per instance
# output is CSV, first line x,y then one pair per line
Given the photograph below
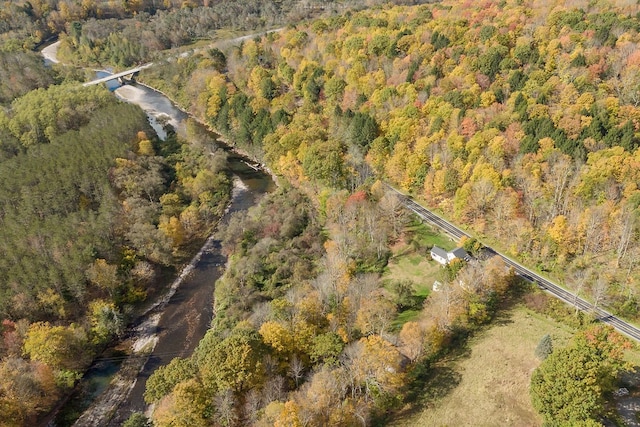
x,y
185,406
277,336
172,227
412,340
145,148
377,367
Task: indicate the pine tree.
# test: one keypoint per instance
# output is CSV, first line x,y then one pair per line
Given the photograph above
x,y
544,348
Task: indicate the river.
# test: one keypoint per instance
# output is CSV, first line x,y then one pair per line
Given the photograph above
x,y
188,314
175,323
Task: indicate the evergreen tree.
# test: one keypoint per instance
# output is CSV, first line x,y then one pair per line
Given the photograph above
x,y
544,348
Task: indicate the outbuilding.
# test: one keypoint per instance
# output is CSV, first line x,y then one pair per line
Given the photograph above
x,y
458,253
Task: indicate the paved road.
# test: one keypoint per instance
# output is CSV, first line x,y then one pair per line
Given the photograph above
x,y
554,289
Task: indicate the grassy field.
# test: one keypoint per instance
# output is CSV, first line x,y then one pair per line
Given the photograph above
x,y
486,383
421,270
414,266
426,236
411,260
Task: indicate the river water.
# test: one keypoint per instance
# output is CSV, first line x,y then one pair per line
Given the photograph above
x,y
180,319
188,314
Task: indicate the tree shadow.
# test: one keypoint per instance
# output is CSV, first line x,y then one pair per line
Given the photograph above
x,y
432,380
442,380
429,382
502,317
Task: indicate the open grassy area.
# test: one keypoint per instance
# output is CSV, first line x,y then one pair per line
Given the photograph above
x,y
411,261
427,236
486,383
416,267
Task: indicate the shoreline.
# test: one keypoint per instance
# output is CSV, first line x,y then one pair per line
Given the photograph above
x,y
50,53
142,335
143,339
232,147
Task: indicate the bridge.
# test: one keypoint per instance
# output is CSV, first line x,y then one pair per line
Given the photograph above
x,y
130,72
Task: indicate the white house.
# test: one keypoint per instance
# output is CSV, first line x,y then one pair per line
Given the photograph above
x,y
444,257
440,255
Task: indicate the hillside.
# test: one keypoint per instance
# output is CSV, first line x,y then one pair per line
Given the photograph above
x,y
516,119
519,121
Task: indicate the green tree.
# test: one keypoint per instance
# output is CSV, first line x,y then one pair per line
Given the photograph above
x,y
489,62
219,59
544,347
106,321
569,386
363,129
326,348
137,419
234,363
324,162
165,378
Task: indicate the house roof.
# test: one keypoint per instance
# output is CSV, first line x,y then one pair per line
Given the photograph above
x,y
459,253
439,252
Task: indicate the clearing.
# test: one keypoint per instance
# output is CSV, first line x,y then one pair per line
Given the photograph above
x,y
486,383
411,262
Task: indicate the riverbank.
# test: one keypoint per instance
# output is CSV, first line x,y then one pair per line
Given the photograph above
x,y
107,409
173,325
50,53
158,114
132,94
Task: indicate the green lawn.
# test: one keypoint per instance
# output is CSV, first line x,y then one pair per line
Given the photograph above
x,y
426,236
410,261
404,317
417,268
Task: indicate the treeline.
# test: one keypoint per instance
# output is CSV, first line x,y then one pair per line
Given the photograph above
x,y
524,129
26,24
93,208
123,33
126,33
304,332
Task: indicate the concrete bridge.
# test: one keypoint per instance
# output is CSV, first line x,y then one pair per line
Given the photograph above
x,y
132,72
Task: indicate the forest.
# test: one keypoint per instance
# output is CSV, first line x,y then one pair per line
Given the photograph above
x,y
92,215
95,210
522,128
518,120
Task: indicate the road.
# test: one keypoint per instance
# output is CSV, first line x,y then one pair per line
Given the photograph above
x,y
550,287
118,75
51,53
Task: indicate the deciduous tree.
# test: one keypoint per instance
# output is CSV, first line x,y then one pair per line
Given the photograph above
x,y
569,385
